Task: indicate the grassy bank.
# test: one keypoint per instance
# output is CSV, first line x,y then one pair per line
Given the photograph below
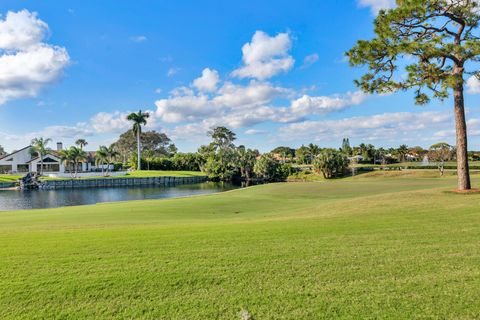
x,y
154,173
364,247
9,177
139,174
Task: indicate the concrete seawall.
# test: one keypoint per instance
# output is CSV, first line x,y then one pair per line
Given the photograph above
x,y
121,182
4,185
115,182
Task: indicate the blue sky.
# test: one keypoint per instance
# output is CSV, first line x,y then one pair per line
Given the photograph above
x,y
273,71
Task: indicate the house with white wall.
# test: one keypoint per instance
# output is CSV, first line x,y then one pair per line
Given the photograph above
x,y
23,160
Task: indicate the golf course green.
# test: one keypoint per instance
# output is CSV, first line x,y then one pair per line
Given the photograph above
x,y
373,246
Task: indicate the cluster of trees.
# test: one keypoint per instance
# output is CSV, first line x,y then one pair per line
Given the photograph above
x,y
222,160
331,163
369,154
153,144
334,163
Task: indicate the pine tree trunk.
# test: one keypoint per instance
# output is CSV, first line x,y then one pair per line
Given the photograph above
x,y
138,151
463,174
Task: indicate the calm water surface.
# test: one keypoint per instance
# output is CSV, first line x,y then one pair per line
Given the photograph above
x,y
36,199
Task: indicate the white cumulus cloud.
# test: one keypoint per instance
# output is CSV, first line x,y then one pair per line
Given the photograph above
x,y
377,5
208,81
265,56
325,104
27,64
116,122
398,126
473,85
108,122
254,94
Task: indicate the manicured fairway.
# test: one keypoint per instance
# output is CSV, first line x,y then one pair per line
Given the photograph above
x,y
378,247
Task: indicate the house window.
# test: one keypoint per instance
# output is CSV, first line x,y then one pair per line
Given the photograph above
x,y
5,169
49,167
22,168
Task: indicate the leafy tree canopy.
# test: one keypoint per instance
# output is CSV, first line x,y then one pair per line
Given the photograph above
x,y
284,151
222,137
433,39
157,142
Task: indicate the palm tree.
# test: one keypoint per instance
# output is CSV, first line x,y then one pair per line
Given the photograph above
x,y
76,156
66,158
106,155
149,156
39,147
402,152
138,120
101,156
245,159
81,143
111,154
314,150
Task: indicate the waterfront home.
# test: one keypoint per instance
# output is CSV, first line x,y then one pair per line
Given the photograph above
x,y
24,160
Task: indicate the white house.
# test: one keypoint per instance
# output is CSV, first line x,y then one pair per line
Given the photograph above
x,y
356,158
23,161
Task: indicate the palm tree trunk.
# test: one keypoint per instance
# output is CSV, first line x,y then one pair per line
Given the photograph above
x,y
139,162
41,164
463,174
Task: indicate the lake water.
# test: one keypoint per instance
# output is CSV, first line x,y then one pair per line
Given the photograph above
x,y
18,200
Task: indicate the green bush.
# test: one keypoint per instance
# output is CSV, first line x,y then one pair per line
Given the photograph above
x,y
331,163
117,166
269,169
187,161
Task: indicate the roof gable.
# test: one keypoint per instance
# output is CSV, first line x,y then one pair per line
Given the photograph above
x,y
14,152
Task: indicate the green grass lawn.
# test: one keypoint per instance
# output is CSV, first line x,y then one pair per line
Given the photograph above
x,y
363,247
133,174
137,174
9,177
154,173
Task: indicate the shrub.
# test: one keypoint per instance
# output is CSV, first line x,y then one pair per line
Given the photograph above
x,y
331,163
187,161
117,166
269,169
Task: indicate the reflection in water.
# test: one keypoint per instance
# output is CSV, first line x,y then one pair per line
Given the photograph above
x,y
16,199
